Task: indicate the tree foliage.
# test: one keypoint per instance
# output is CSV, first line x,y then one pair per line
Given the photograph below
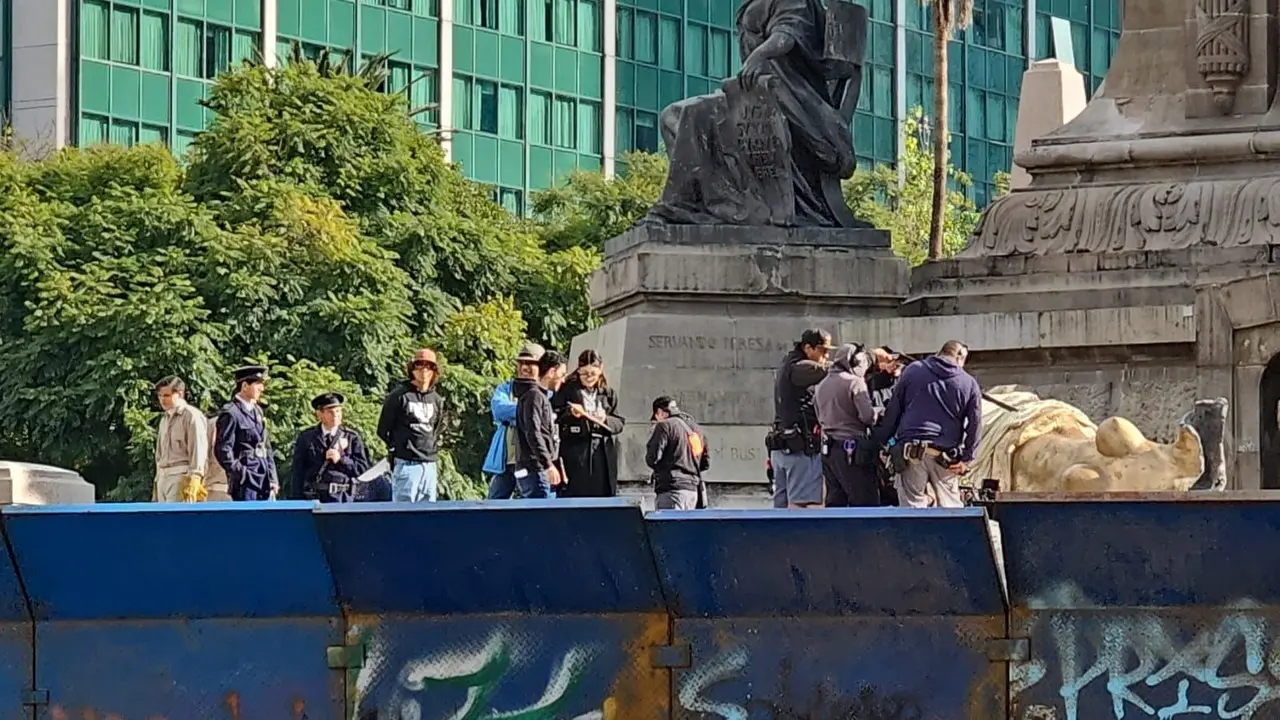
x,y
587,208
905,208
313,228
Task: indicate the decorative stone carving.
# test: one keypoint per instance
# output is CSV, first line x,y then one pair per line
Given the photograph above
x,y
1167,216
771,147
1222,48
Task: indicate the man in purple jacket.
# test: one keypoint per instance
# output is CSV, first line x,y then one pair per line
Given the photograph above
x,y
935,420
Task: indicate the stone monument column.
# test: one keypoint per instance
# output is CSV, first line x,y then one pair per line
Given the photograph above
x,y
750,244
1143,248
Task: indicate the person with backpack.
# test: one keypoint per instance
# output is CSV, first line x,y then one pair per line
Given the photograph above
x,y
678,455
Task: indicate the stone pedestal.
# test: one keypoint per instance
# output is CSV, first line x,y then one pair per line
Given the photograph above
x,y
1132,276
31,484
704,314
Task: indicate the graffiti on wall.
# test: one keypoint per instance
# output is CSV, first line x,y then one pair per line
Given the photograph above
x,y
501,675
704,687
1225,664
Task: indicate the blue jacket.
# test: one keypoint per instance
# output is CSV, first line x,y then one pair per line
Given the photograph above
x,y
243,450
503,408
936,401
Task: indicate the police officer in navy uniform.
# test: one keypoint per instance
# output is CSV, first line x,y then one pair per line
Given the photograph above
x,y
242,447
328,458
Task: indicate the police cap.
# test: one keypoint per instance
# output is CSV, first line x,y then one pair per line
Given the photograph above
x,y
250,374
324,401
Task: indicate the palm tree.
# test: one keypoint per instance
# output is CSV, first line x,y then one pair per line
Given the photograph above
x,y
948,17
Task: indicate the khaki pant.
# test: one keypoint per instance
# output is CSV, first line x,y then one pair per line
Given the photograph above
x,y
925,483
170,484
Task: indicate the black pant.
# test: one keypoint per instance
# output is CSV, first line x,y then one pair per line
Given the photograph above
x,y
849,484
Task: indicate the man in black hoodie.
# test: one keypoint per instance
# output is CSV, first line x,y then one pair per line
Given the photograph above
x,y
538,469
678,455
410,426
935,421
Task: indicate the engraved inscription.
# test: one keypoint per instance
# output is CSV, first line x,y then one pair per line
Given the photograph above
x,y
711,342
759,140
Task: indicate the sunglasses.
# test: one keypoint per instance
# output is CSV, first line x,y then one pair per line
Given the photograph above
x,y
419,364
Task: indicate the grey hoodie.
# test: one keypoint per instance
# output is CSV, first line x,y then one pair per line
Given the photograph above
x,y
843,403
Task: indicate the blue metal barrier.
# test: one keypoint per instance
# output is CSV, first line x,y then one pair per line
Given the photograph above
x,y
521,609
179,611
16,644
1167,608
833,613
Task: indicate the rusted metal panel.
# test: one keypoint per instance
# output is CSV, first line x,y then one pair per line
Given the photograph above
x,y
875,668
1163,608
466,558
884,614
15,670
16,644
565,667
216,669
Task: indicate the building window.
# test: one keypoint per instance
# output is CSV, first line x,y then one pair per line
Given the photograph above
x,y
626,34
589,127
510,112
426,8
565,27
624,131
488,106
154,43
424,92
217,54
188,50
589,25
669,43
511,17
124,133
509,198
93,130
646,38
95,32
539,119
718,54
124,35
563,126
462,103
646,132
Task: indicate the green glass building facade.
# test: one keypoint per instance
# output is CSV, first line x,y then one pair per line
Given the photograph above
x,y
524,90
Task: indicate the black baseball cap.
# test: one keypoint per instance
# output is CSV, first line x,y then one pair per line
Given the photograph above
x,y
664,403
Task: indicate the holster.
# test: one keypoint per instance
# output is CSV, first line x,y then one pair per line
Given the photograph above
x,y
898,458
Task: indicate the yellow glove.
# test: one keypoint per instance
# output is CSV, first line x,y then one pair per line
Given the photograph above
x,y
193,489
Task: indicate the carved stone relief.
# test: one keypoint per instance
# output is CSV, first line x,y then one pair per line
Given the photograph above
x,y
1222,48
1170,216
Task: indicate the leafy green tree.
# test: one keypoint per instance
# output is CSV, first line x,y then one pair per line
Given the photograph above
x,y
313,228
587,208
905,209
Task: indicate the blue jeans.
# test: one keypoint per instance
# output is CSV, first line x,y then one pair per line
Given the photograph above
x,y
533,486
413,481
502,487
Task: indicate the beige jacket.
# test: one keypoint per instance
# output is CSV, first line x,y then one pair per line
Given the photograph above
x,y
182,442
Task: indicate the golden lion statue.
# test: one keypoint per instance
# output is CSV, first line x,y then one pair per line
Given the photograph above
x,y
1051,446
